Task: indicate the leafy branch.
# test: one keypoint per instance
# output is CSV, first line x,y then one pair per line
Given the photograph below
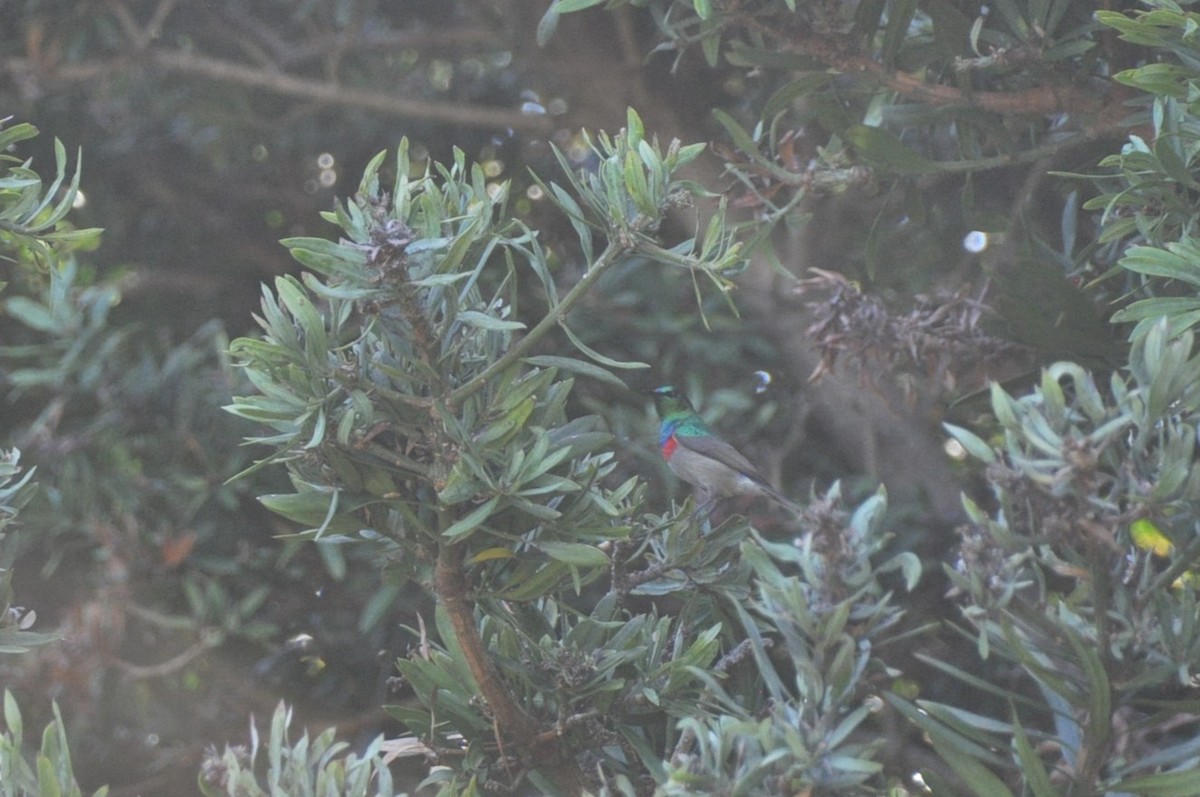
x,y
405,399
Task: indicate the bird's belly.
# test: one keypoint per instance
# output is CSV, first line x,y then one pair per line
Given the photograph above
x,y
713,477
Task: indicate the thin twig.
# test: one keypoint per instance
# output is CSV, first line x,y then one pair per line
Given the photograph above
x,y
207,642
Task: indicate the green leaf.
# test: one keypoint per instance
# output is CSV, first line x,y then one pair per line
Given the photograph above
x,y
883,149
578,367
14,641
485,321
324,511
741,139
971,443
1182,783
1170,306
577,218
1032,767
467,236
597,356
12,717
638,187
540,582
1167,80
978,778
846,727
909,565
473,520
802,84
1098,688
899,18
568,6
949,739
710,42
978,684
48,785
34,315
634,129
326,257
507,424
1004,407
15,134
305,312
547,25
1166,149
68,197
368,186
574,553
17,180
1156,262
686,155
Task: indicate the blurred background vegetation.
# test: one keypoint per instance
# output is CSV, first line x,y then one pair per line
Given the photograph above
x,y
932,196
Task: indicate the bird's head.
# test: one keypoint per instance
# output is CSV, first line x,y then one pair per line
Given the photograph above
x,y
669,401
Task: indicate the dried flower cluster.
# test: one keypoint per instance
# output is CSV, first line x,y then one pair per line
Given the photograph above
x,y
943,337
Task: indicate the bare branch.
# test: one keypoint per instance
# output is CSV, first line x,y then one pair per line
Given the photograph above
x,y
289,85
1048,98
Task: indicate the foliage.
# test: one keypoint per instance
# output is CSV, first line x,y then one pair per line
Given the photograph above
x,y
32,216
413,420
1145,202
133,520
51,771
357,71
1080,578
126,430
414,382
1075,576
1080,575
103,406
28,230
15,636
1083,575
928,121
33,234
800,724
316,766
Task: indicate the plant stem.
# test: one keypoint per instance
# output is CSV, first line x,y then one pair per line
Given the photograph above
x,y
452,589
518,729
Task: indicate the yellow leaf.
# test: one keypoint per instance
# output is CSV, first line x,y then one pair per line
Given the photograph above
x,y
1189,579
491,553
1149,537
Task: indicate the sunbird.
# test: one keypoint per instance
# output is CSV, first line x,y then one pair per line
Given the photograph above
x,y
697,455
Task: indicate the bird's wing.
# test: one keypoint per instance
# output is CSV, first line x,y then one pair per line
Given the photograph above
x,y
718,449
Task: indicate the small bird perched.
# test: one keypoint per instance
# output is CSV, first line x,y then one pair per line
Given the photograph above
x,y
695,454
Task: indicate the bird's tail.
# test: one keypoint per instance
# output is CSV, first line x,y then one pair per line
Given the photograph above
x,y
781,499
